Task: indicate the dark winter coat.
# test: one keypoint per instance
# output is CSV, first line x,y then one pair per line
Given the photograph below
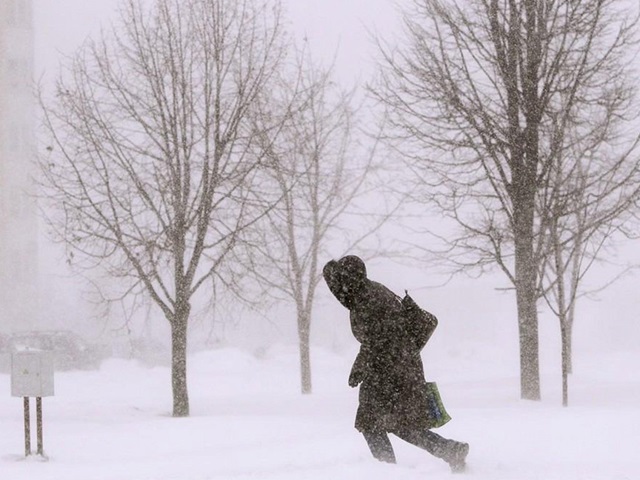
x,y
388,366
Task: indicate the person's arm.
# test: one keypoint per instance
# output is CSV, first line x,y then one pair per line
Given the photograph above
x,y
360,367
419,324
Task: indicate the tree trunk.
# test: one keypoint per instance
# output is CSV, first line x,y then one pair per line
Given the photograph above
x,y
565,361
304,329
575,280
525,279
562,308
179,363
528,330
569,341
525,187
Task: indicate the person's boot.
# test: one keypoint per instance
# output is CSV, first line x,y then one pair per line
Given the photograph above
x,y
457,456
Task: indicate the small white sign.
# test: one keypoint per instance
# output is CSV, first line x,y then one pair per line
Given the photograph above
x,y
32,374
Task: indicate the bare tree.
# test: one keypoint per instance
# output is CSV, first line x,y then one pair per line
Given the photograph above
x,y
590,198
324,172
155,172
481,97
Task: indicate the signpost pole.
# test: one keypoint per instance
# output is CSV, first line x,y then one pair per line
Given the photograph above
x,y
27,428
39,425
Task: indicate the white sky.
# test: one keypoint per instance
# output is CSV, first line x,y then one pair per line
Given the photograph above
x,y
333,27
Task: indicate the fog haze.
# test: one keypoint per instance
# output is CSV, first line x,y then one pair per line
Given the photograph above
x,y
342,32
477,314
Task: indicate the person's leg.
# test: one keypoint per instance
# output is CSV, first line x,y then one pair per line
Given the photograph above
x,y
380,446
451,451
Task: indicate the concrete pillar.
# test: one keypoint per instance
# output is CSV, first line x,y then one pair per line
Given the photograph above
x,y
18,213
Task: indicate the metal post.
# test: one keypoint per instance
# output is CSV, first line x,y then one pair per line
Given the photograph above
x,y
40,450
27,428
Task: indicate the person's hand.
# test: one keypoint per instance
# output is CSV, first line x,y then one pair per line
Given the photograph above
x,y
356,377
330,271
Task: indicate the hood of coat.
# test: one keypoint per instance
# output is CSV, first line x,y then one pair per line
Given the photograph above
x,y
346,278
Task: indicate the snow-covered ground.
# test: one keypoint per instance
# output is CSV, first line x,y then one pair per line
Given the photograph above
x,y
249,421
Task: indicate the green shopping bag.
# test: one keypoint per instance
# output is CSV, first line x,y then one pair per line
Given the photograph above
x,y
437,414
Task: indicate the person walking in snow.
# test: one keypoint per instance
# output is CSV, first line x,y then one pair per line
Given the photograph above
x,y
393,395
